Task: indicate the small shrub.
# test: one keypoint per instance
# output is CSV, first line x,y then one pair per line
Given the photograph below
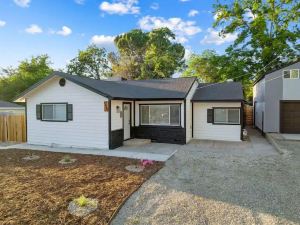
x,y
82,201
67,158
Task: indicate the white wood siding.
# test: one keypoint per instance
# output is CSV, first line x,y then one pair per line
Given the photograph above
x,y
117,118
89,127
138,103
189,112
209,131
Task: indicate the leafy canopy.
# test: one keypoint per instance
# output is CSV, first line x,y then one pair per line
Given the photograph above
x,y
210,67
268,31
143,55
13,81
91,62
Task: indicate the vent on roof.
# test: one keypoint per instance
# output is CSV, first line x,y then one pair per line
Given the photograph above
x,y
116,78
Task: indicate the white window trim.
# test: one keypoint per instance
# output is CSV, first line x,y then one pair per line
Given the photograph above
x,y
169,124
53,120
227,123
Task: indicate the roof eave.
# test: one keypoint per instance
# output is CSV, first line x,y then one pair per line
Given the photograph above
x,y
218,100
23,94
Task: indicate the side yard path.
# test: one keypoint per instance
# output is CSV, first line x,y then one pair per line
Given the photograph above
x,y
210,182
36,189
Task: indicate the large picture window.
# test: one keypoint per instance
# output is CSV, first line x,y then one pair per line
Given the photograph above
x,y
226,115
165,115
54,112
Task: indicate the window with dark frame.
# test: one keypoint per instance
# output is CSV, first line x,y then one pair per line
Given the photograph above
x,y
160,114
230,116
54,112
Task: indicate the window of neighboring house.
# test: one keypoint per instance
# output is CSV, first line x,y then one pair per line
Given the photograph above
x,y
54,112
226,116
291,74
164,115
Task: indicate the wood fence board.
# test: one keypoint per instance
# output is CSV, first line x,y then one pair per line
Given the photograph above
x,y
12,128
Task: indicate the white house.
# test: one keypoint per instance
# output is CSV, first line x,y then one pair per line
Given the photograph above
x,y
74,111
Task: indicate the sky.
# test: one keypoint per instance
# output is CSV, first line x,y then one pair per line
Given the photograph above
x,y
60,28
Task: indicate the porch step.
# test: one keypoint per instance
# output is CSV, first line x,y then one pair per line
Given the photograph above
x,y
136,142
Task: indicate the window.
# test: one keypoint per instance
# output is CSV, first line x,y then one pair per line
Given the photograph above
x,y
291,74
166,115
227,116
54,112
294,74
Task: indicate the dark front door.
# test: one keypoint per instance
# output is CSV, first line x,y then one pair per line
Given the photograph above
x,y
290,117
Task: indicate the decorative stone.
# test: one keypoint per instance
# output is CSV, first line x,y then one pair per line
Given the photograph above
x,y
31,157
69,161
135,168
82,211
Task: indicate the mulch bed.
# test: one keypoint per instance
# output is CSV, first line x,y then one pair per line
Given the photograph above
x,y
39,191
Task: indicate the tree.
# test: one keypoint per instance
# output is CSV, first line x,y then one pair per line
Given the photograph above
x,y
205,66
268,31
210,67
14,81
143,55
91,62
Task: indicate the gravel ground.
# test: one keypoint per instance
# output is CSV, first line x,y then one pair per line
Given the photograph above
x,y
220,183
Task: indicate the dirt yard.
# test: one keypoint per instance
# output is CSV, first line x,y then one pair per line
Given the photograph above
x,y
39,191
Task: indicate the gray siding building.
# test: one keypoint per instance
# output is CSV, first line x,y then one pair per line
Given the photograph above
x,y
276,99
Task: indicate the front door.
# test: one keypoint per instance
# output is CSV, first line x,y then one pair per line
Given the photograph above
x,y
126,120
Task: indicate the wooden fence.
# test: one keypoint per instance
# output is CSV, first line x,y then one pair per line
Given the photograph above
x,y
12,128
248,115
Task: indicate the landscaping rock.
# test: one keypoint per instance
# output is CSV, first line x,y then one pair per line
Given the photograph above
x,y
77,210
135,168
31,157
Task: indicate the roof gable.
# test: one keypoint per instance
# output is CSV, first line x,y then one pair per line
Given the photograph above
x,y
276,69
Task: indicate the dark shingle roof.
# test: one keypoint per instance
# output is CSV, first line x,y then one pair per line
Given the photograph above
x,y
227,91
171,88
4,104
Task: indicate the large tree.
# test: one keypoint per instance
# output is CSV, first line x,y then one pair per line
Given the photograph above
x,y
143,55
91,62
15,80
268,31
210,67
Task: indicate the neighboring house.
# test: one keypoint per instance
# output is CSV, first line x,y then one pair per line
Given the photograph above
x,y
75,111
276,99
11,108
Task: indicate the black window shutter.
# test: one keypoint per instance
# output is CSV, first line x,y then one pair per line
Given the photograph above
x,y
210,116
38,112
70,111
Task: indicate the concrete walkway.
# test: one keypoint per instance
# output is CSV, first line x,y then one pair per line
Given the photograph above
x,y
128,152
211,182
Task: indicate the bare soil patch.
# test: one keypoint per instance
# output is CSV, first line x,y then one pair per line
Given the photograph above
x,y
39,191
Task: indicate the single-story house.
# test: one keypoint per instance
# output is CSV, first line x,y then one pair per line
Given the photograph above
x,y
11,108
74,111
276,99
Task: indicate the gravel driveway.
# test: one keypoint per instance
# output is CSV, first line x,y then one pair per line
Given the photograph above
x,y
220,183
